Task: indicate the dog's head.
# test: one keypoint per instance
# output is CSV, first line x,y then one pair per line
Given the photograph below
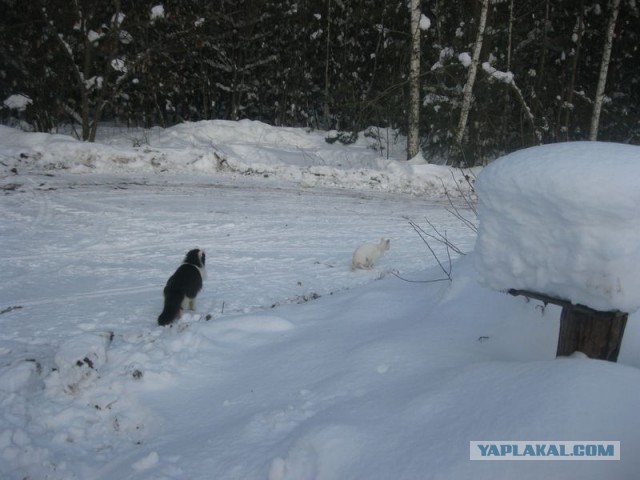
x,y
195,257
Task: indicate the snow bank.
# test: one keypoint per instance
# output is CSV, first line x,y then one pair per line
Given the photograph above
x,y
374,162
563,220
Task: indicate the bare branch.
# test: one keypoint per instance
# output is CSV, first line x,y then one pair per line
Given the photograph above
x,y
453,210
419,281
426,242
437,237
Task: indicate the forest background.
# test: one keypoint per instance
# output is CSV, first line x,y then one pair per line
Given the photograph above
x,y
340,65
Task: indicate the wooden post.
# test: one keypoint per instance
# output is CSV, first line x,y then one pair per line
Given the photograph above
x,y
582,329
596,334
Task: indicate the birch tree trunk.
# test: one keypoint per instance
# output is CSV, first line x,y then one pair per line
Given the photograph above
x,y
473,69
326,112
413,134
604,69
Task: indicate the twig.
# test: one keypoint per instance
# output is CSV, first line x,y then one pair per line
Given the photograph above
x,y
472,188
10,309
447,243
439,238
456,213
419,281
447,273
442,237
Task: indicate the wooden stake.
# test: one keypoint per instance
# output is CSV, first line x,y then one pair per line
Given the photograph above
x,y
582,329
596,334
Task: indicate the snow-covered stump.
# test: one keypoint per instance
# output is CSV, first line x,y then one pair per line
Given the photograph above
x,y
561,223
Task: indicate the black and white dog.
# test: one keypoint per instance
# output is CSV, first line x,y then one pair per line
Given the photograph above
x,y
183,286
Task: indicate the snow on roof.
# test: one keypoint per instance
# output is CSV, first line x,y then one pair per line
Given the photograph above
x,y
563,220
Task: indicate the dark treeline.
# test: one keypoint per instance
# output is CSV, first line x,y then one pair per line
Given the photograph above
x,y
331,64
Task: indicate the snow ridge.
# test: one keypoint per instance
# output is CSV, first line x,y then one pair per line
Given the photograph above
x,y
247,148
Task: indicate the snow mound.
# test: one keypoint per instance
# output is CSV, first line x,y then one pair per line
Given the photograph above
x,y
80,358
21,377
147,462
563,220
322,453
375,161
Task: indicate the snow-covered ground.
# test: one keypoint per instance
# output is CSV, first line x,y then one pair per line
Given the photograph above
x,y
293,366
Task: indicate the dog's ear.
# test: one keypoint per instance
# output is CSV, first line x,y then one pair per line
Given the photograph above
x,y
202,257
192,256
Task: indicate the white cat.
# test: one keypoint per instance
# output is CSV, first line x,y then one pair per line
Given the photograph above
x,y
366,254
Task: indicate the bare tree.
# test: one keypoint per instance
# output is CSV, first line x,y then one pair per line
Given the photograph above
x,y
413,135
604,69
473,69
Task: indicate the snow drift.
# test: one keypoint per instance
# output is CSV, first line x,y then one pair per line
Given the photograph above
x,y
563,220
249,148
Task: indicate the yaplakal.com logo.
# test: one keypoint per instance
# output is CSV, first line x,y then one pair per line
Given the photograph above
x,y
544,450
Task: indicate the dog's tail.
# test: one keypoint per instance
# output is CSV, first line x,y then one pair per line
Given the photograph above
x,y
172,307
